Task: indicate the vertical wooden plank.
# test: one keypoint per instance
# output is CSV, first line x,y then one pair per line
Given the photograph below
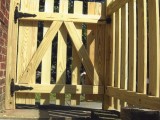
x,y
142,46
26,47
124,52
46,60
62,54
95,8
11,55
117,54
109,59
153,10
132,45
91,37
76,63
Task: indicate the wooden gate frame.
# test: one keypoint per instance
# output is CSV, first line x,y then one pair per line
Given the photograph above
x,y
59,19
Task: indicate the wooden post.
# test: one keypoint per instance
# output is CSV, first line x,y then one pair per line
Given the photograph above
x,y
109,59
117,54
124,59
142,46
11,55
27,46
132,46
154,46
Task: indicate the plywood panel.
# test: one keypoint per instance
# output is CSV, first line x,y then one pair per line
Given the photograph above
x,y
26,47
46,61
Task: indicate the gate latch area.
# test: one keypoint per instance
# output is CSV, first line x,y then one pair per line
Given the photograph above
x,y
14,88
18,15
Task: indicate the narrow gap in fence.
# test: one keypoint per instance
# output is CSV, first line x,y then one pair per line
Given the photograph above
x,y
54,60
39,40
70,6
41,5
56,6
69,60
85,7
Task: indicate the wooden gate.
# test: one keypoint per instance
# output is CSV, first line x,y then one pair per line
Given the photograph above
x,y
25,55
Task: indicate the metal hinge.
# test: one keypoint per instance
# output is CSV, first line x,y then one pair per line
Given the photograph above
x,y
14,88
18,15
108,20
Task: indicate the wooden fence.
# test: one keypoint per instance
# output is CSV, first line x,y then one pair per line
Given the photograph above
x,y
29,57
134,54
121,58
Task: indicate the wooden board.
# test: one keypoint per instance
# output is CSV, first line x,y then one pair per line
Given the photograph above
x,y
93,42
76,63
61,54
11,55
109,59
138,99
153,12
117,54
41,50
27,45
46,61
64,89
82,53
132,45
124,50
142,46
115,6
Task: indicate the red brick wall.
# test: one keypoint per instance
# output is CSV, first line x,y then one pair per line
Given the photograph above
x,y
4,15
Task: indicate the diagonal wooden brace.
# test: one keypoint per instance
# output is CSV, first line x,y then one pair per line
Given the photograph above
x,y
82,53
37,57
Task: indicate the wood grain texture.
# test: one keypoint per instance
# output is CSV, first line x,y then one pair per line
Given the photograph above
x,y
37,57
107,100
61,54
124,62
27,46
153,11
132,45
82,53
76,63
115,5
117,54
124,50
64,89
138,99
142,46
78,18
11,55
46,60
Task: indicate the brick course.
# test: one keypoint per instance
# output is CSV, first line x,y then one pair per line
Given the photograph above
x,y
4,16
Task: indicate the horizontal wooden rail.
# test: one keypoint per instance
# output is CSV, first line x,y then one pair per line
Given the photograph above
x,y
114,6
58,88
79,18
138,99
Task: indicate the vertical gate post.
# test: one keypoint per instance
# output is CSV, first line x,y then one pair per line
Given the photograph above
x,y
109,58
11,55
